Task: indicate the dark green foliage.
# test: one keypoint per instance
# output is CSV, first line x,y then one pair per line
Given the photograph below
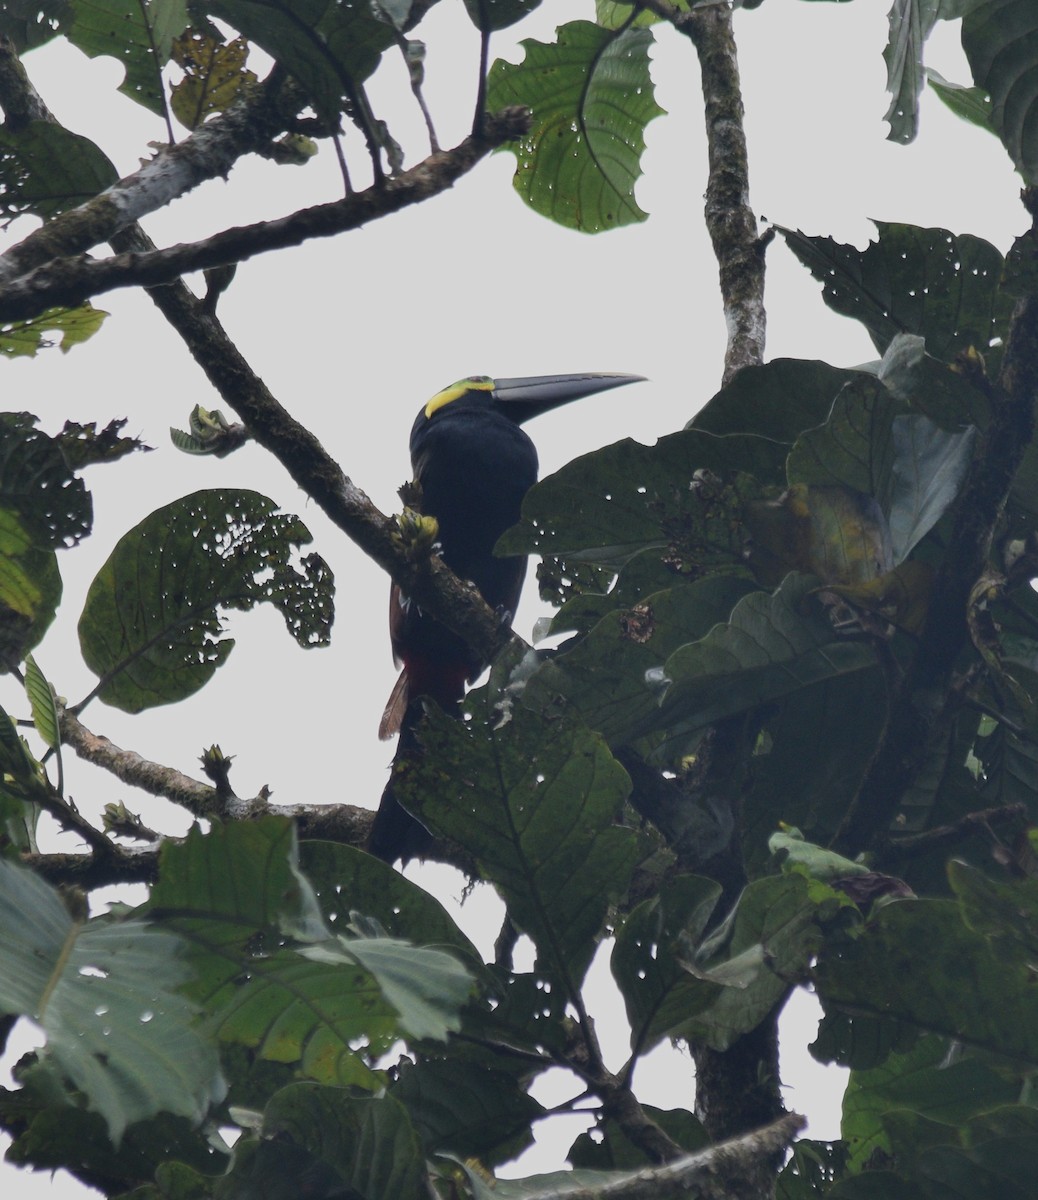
x,y
747,604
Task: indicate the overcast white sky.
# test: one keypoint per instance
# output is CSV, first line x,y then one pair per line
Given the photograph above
x,y
353,334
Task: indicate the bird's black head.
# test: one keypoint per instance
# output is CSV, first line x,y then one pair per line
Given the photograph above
x,y
517,399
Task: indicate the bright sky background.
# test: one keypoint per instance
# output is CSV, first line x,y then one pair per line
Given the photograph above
x,y
353,334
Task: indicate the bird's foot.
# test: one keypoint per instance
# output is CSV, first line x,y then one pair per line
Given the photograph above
x,y
416,535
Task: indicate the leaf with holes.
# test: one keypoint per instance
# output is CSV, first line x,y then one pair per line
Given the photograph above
x,y
772,646
274,979
534,801
151,626
106,995
910,24
591,97
139,34
25,339
603,675
30,23
215,75
52,505
925,281
45,169
659,994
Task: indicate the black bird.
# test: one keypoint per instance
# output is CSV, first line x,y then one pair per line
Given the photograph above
x,y
472,467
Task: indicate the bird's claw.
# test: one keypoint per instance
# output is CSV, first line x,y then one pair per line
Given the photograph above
x,y
416,535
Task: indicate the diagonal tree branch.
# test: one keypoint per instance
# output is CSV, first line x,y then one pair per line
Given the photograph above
x,y
68,281
249,125
733,1170
432,585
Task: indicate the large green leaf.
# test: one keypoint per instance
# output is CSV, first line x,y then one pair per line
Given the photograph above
x,y
498,14
51,1131
1010,769
920,964
777,400
972,104
139,33
533,800
910,24
659,994
45,169
603,676
995,1155
330,46
1000,38
930,1080
347,880
872,443
607,1146
466,1109
591,97
854,448
772,646
271,975
41,701
765,945
610,505
106,995
43,505
151,626
992,1156
21,776
321,1141
930,282
30,23
931,387
621,501
815,761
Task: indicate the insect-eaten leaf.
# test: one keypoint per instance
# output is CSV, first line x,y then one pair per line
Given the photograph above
x,y
215,75
151,626
68,327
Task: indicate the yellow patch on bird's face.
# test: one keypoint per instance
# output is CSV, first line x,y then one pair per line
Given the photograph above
x,y
474,383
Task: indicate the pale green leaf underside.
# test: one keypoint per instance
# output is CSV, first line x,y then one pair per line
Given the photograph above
x,y
104,993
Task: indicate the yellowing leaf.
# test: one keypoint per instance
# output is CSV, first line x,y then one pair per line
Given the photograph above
x,y
24,339
214,76
835,533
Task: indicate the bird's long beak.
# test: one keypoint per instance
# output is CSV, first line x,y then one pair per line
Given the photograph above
x,y
535,394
